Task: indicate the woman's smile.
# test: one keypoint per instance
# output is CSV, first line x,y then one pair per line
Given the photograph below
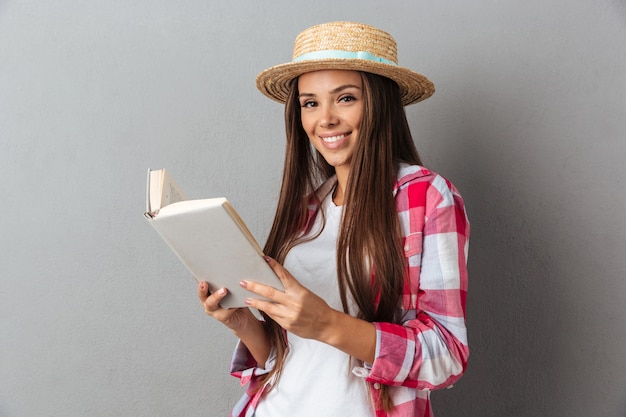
x,y
333,139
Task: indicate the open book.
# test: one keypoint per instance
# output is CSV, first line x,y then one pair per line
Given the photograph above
x,y
209,237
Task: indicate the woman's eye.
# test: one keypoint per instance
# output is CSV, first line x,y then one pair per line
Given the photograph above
x,y
308,104
347,99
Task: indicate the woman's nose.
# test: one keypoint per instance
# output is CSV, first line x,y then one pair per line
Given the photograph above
x,y
328,117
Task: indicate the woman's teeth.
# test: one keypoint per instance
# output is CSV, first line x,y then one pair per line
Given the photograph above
x,y
333,138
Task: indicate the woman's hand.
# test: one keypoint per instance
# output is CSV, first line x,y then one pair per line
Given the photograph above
x,y
301,312
296,309
235,319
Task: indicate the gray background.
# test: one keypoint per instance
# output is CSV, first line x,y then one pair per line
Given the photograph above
x,y
97,317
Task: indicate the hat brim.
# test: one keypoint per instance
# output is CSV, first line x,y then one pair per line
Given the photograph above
x,y
274,82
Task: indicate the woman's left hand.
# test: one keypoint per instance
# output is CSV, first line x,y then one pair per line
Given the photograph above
x,y
296,309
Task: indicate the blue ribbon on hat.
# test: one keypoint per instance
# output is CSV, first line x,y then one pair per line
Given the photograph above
x,y
343,55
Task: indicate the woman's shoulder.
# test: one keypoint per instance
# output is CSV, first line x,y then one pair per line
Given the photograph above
x,y
410,174
417,177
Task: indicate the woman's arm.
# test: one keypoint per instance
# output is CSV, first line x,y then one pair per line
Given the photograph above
x,y
429,350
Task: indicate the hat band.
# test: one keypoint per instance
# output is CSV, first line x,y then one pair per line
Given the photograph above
x,y
343,55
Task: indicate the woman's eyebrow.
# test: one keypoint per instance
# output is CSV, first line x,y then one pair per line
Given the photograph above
x,y
333,91
343,87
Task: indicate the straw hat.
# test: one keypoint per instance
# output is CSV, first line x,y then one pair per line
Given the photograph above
x,y
349,46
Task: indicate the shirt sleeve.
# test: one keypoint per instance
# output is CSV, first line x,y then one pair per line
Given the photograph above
x,y
244,366
429,349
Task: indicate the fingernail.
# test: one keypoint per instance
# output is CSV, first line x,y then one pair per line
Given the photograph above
x,y
248,301
221,291
243,284
267,258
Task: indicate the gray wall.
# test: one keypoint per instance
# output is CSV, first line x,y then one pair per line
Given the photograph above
x,y
97,318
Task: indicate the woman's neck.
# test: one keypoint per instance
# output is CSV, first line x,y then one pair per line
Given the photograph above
x,y
338,196
342,181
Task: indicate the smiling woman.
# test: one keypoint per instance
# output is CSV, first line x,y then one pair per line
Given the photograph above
x,y
372,333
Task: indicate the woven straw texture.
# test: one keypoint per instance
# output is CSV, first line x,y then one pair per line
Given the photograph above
x,y
348,37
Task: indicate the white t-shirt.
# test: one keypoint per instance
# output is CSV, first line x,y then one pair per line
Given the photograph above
x,y
317,379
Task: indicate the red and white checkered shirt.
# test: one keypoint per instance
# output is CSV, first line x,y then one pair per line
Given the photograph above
x,y
428,350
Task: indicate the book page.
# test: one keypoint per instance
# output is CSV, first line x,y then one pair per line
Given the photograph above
x,y
242,225
162,190
172,192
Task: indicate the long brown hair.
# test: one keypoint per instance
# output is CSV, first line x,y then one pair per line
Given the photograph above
x,y
370,229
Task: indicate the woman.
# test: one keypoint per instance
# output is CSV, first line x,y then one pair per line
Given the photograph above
x,y
370,246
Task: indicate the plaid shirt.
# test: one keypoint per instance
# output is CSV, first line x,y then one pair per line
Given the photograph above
x,y
429,349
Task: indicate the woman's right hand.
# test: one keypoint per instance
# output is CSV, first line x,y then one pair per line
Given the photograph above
x,y
235,319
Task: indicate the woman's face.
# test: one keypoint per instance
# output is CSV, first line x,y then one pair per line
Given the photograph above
x,y
331,104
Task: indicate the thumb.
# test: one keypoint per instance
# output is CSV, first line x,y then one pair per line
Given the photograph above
x,y
203,291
